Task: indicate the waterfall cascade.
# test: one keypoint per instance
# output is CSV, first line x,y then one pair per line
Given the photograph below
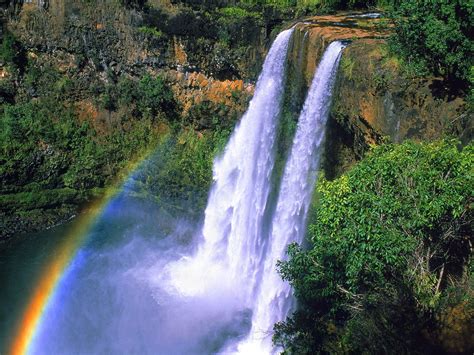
x,y
233,241
289,220
237,255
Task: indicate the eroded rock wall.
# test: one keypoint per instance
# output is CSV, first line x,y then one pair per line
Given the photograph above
x,y
373,100
97,43
120,39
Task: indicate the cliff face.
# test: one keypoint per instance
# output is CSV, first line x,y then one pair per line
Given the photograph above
x,y
373,99
116,38
372,92
83,51
97,43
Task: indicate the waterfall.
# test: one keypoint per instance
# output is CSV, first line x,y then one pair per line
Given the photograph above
x,y
231,251
274,299
233,267
220,292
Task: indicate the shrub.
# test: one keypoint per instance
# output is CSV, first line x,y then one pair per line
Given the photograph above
x,y
436,36
154,96
44,142
240,13
388,237
149,98
11,51
179,173
151,31
126,91
238,26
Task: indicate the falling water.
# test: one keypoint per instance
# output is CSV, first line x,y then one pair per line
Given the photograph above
x,y
232,248
274,299
113,302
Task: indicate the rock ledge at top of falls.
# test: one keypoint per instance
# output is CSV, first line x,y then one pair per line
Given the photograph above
x,y
373,100
313,35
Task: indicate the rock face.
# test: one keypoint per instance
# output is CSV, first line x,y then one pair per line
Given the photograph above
x,y
101,42
373,99
222,99
373,93
116,38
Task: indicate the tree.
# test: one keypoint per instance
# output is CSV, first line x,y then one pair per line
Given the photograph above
x,y
155,96
389,239
436,35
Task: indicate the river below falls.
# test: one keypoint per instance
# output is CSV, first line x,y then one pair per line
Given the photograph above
x,y
21,262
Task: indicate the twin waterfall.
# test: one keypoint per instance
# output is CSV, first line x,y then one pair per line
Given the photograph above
x,y
288,224
244,233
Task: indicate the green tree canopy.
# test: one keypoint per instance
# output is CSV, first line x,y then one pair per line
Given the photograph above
x,y
388,240
436,35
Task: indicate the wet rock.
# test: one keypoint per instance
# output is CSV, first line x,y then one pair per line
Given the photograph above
x,y
373,100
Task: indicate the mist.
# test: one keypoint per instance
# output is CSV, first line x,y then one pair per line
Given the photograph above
x,y
125,291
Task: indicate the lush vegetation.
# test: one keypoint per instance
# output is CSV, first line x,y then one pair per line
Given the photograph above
x,y
45,146
62,142
389,267
149,98
436,37
294,6
179,172
50,159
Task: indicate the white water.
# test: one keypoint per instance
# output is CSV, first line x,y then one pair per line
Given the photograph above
x,y
229,257
274,299
233,263
127,293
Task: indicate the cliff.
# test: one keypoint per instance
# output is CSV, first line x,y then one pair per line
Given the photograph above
x,y
79,54
374,99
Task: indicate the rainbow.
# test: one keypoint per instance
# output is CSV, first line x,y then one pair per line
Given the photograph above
x,y
54,271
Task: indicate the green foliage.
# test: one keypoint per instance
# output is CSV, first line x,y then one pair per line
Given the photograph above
x,y
7,90
155,96
39,199
44,143
126,91
32,142
210,115
8,51
152,31
108,100
387,235
436,36
347,66
149,98
180,170
471,92
50,158
238,27
44,80
311,6
12,54
239,13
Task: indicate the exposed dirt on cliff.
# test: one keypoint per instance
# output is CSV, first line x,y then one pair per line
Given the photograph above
x,y
374,100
